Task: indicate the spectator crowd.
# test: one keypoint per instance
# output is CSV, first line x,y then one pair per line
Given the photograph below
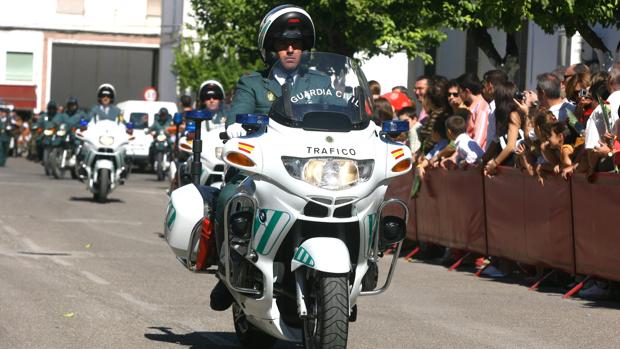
x,y
569,124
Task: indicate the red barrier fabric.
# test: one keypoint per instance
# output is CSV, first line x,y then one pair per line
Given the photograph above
x,y
597,236
450,209
529,222
400,188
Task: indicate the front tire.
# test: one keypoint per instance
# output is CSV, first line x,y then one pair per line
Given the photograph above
x,y
327,324
159,167
249,335
56,159
101,195
46,161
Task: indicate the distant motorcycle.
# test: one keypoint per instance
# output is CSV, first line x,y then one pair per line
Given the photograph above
x,y
62,156
46,144
104,150
162,154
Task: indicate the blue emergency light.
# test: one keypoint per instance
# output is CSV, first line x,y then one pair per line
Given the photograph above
x,y
395,126
177,119
199,114
129,126
252,119
191,127
83,123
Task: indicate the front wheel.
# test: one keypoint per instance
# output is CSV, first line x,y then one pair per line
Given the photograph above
x,y
47,160
56,160
327,323
159,166
249,336
103,186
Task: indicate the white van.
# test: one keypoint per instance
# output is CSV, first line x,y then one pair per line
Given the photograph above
x,y
142,115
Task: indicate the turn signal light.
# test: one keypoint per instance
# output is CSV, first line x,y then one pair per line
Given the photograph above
x,y
239,159
402,166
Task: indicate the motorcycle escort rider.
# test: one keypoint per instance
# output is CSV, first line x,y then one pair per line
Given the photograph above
x,y
162,122
105,109
211,96
71,116
44,122
284,34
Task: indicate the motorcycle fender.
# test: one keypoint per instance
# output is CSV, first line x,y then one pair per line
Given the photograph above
x,y
107,164
185,210
329,255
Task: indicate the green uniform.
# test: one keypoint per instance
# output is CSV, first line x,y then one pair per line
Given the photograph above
x,y
158,125
255,92
103,113
70,120
4,140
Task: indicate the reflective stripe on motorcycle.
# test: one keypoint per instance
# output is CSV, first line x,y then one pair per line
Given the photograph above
x,y
268,230
369,227
171,215
303,257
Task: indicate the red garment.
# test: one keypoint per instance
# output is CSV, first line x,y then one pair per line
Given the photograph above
x,y
398,100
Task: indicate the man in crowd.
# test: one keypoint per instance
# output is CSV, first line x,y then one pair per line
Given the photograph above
x,y
471,94
421,85
4,134
548,90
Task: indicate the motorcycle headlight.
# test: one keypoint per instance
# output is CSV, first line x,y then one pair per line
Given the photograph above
x,y
218,152
48,132
61,133
106,140
329,173
161,138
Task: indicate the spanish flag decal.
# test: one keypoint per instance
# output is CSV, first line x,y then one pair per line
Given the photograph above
x,y
248,148
398,153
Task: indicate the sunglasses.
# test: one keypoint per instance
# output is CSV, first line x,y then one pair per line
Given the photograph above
x,y
453,94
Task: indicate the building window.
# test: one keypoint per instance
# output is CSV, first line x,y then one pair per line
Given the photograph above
x,y
19,66
70,7
153,8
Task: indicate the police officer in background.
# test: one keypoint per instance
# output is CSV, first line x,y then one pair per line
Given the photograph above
x,y
72,114
211,96
284,34
105,110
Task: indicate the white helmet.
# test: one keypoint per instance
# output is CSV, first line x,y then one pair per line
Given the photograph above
x,y
285,22
106,90
211,88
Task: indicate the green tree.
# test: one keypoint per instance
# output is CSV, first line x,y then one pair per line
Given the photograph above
x,y
342,26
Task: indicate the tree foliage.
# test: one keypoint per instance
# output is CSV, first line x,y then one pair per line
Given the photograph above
x,y
377,27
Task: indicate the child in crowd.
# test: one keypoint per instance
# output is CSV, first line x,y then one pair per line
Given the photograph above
x,y
411,137
467,152
441,148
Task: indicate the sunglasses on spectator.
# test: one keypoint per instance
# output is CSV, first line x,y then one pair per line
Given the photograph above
x,y
453,94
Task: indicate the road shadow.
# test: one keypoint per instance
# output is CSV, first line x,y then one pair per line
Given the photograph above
x,y
205,339
160,235
91,199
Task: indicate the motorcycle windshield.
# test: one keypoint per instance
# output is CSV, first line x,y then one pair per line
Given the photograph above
x,y
319,91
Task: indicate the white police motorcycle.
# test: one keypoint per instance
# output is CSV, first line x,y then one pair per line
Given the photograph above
x,y
302,233
104,148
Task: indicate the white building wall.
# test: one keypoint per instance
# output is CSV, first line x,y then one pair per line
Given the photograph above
x,y
23,41
450,61
388,71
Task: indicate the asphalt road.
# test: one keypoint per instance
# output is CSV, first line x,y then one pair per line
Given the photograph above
x,y
77,274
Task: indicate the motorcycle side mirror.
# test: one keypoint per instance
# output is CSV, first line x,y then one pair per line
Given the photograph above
x,y
177,119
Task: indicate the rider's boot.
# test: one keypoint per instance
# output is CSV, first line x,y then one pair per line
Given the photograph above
x,y
221,299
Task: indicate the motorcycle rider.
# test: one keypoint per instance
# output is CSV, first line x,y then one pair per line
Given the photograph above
x,y
162,122
72,114
44,122
105,109
211,96
4,134
284,33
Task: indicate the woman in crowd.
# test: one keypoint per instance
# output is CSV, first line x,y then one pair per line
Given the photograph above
x,y
509,120
383,110
454,97
436,104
